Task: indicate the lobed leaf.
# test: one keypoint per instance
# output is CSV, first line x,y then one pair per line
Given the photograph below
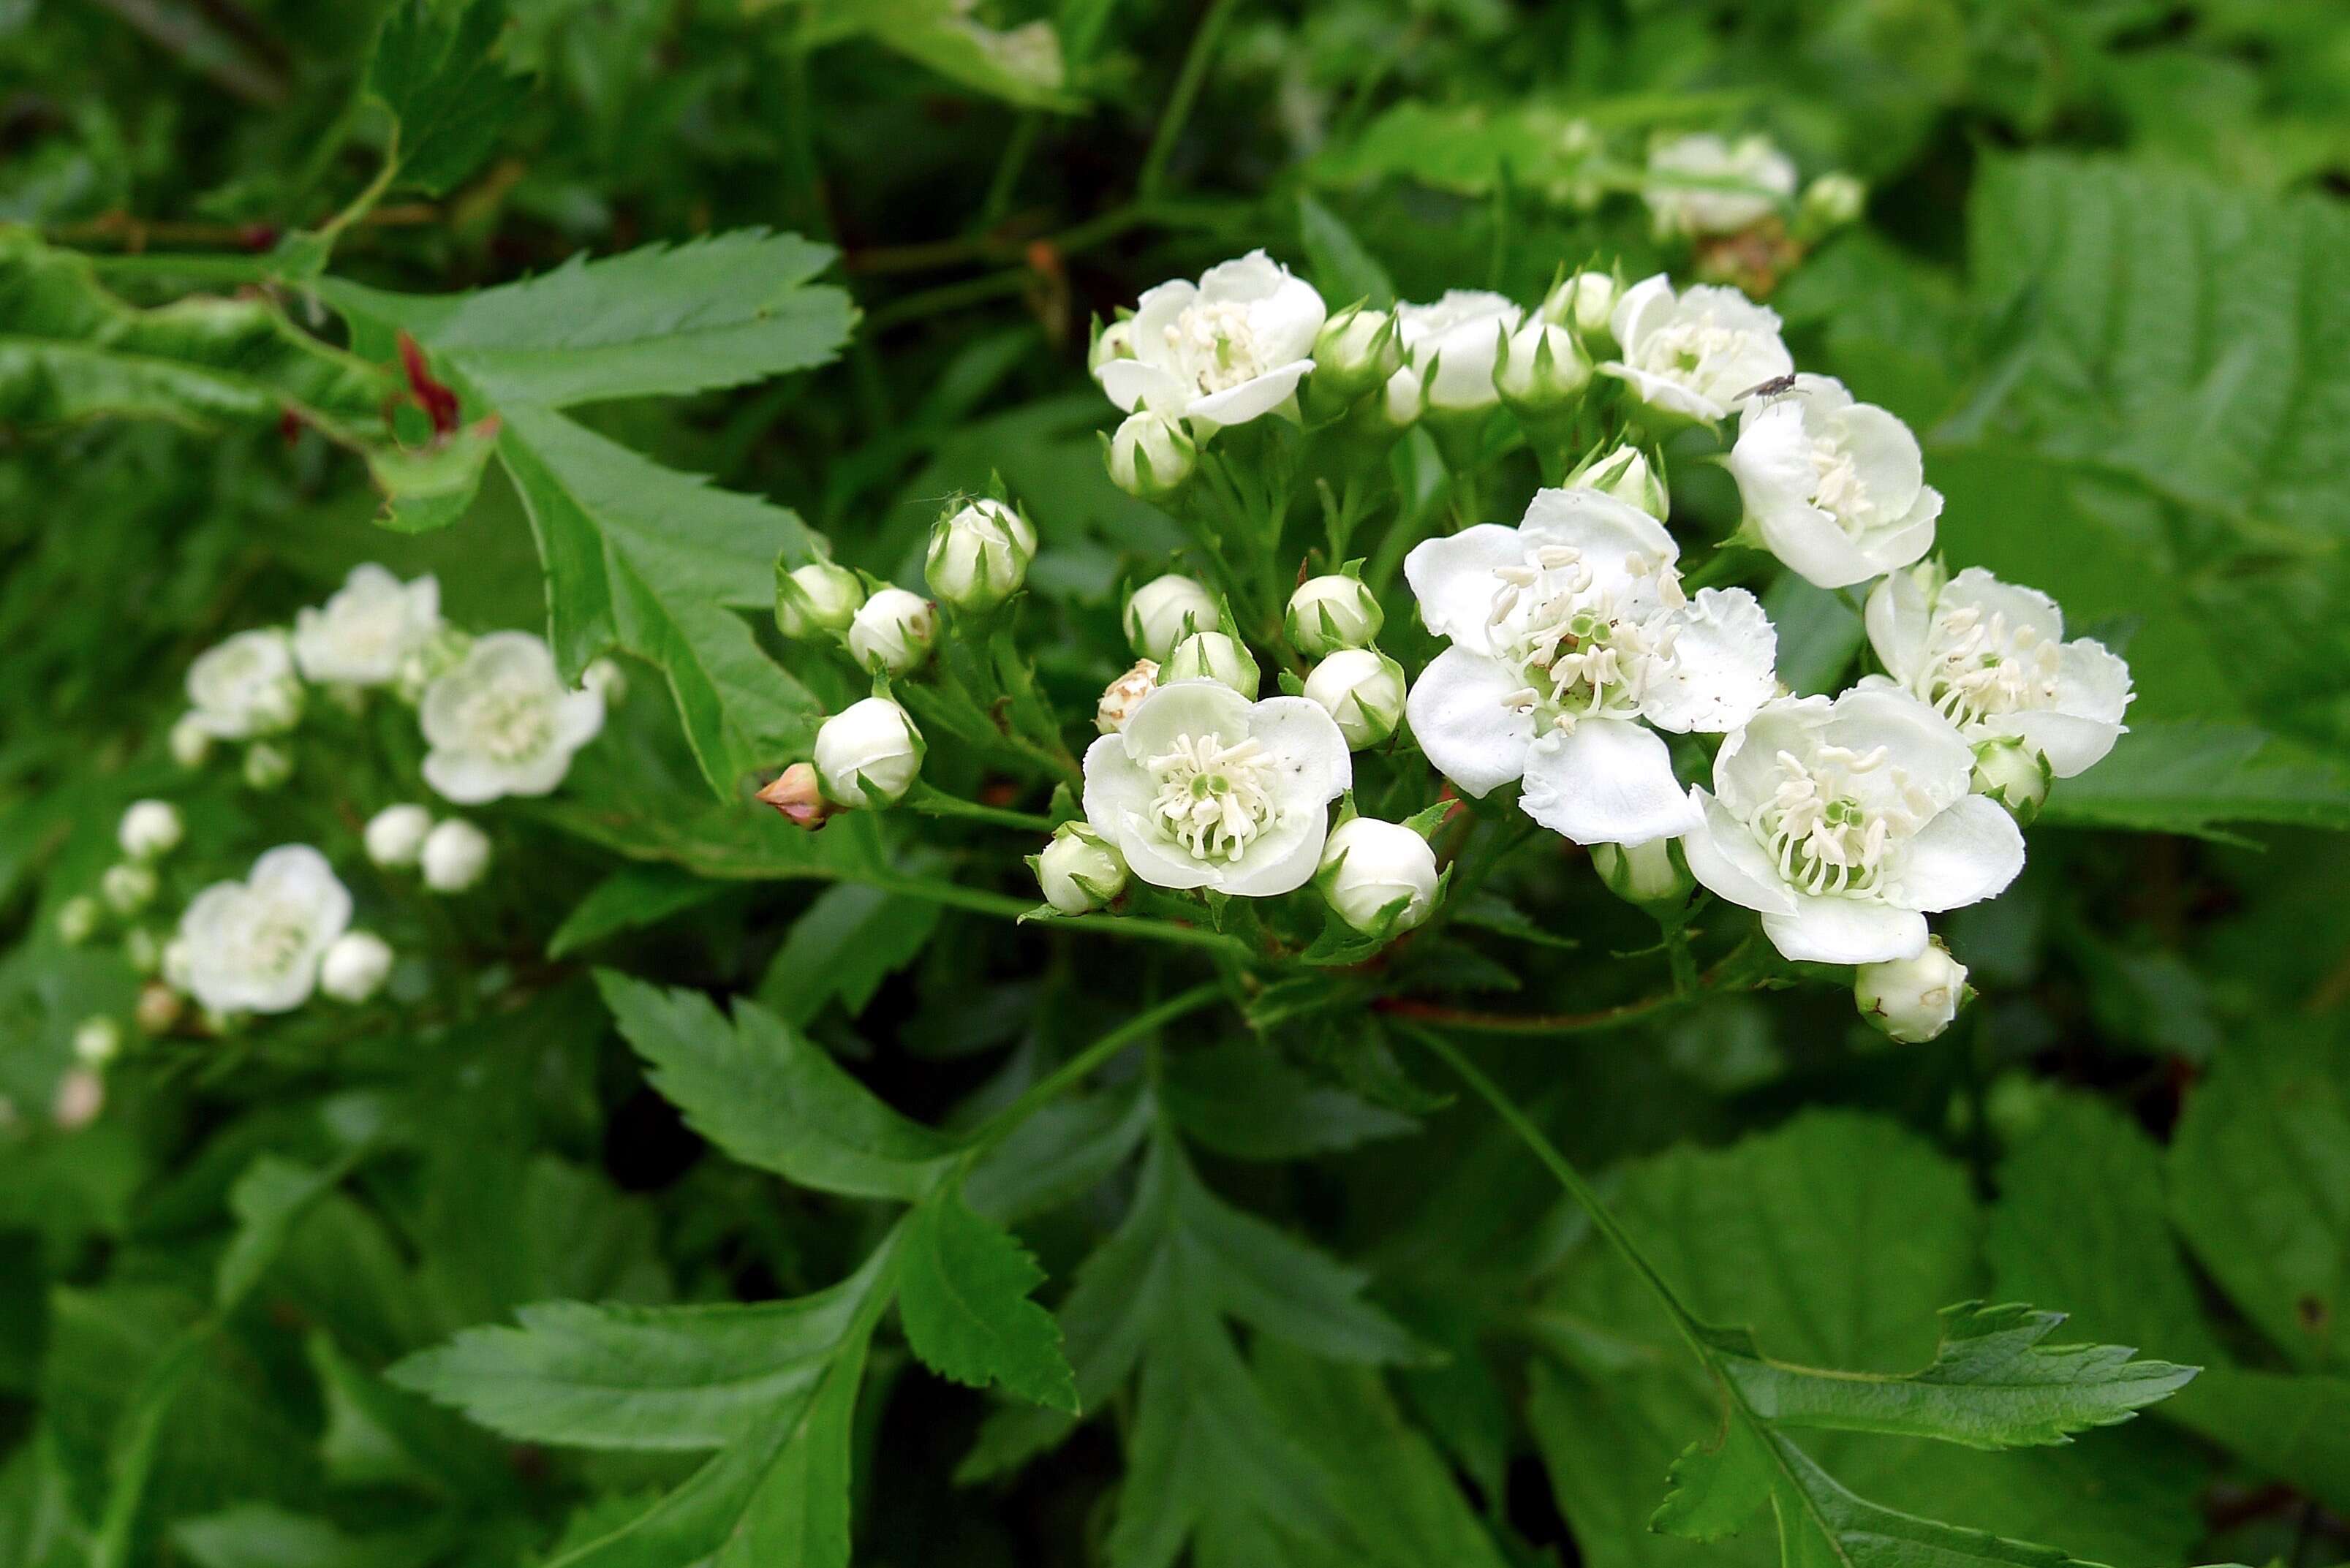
x,y
964,1292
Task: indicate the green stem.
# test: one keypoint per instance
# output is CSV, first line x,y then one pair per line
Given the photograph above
x,y
956,896
364,202
1064,1077
1188,82
933,802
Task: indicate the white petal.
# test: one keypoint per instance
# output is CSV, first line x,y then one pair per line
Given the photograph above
x,y
1746,770
2093,682
1283,860
1814,544
1159,860
1920,742
1242,280
1724,855
1906,542
1603,528
1251,399
1134,383
1846,930
464,778
2019,605
2072,745
1606,782
299,874
1967,853
1458,717
1180,708
1115,786
1287,323
1643,308
1662,396
1723,667
1315,766
1452,577
1159,309
1900,620
1884,453
579,719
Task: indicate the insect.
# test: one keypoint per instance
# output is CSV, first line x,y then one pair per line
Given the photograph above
x,y
1772,388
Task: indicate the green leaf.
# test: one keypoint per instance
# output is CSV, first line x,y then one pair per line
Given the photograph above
x,y
629,900
1343,268
2192,778
1819,632
1821,1524
1060,1151
434,66
615,1377
1715,1486
1020,65
263,1535
963,1291
267,1199
850,939
1241,1099
770,1098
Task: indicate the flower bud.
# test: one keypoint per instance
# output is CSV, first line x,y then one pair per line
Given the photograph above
x,y
1079,869
1331,612
1114,341
191,744
1912,1000
143,950
437,655
1649,874
1119,698
395,836
1584,304
77,919
893,631
81,1094
1150,457
455,856
98,1041
176,965
1369,866
1624,474
1356,351
798,794
268,767
979,556
2015,775
151,829
127,887
605,678
159,1008
1363,690
868,753
1164,611
1829,202
1406,399
1540,370
1215,656
355,967
818,600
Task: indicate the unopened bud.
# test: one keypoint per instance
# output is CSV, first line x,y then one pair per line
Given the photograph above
x,y
605,678
1649,874
1215,656
127,887
437,654
98,1041
1912,1000
81,1094
151,829
817,599
158,1009
191,744
1150,457
868,753
893,632
1079,871
395,836
1829,202
268,767
1164,611
1114,341
798,792
1406,400
1331,612
77,919
979,555
1363,690
1378,875
1585,303
1624,474
1540,370
355,967
1121,696
1358,350
455,856
2015,775
143,950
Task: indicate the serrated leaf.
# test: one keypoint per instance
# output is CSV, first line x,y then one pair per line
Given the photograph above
x,y
267,1200
849,941
1020,65
1240,1098
1716,1486
964,1292
629,900
771,1097
2195,778
612,1376
1822,1525
434,66
1059,1152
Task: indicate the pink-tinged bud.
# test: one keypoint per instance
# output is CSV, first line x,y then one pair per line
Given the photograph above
x,y
798,794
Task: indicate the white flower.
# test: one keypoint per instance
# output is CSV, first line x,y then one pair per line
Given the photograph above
x,y
1692,355
1331,612
1215,656
1837,489
254,946
979,555
395,836
1454,343
1846,822
1205,789
454,857
266,767
868,753
1150,458
245,687
1570,636
150,829
355,968
893,631
129,887
1991,658
359,637
1120,697
1738,185
502,723
820,597
1361,689
1079,871
1164,611
1229,349
1912,1000
1369,865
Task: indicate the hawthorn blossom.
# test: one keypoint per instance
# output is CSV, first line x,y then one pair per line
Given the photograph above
x,y
1991,658
360,635
1845,823
502,723
1695,354
1223,351
1836,489
1204,788
256,945
1453,344
1742,183
244,687
1571,636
